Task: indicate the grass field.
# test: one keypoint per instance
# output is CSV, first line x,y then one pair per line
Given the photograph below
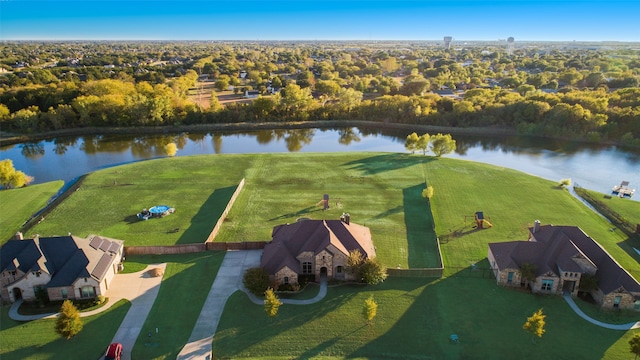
x,y
38,340
414,320
629,209
382,191
19,204
185,286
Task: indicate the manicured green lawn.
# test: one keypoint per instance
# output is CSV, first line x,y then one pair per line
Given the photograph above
x,y
628,208
19,204
512,201
38,340
185,286
198,187
381,191
414,320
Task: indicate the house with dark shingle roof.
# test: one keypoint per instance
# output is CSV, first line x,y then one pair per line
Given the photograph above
x,y
67,267
314,248
562,256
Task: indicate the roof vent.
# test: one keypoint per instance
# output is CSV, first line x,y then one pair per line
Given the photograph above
x,y
536,226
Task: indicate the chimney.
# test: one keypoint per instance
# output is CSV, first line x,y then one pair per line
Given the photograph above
x,y
347,218
18,236
536,226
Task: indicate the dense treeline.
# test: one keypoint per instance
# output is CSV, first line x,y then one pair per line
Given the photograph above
x,y
584,94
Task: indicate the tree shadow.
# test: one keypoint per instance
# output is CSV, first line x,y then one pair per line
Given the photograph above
x,y
207,216
307,210
386,162
396,210
421,236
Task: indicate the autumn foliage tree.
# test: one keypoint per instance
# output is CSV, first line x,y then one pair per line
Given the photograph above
x,y
68,323
535,324
370,309
10,178
271,303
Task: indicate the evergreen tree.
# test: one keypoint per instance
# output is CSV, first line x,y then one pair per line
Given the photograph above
x,y
68,323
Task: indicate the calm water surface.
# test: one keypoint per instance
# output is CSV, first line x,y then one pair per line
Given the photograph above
x,y
593,167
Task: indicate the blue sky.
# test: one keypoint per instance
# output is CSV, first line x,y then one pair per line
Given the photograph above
x,y
568,20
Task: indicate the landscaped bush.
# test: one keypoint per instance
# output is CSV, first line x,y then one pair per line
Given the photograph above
x,y
256,280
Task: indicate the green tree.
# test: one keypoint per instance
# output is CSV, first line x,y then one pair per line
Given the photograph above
x,y
68,323
214,103
354,262
442,144
222,83
271,303
535,324
372,272
370,309
256,280
565,183
528,271
634,345
412,142
423,143
427,193
295,101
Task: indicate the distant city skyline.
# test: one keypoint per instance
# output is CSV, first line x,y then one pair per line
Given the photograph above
x,y
542,20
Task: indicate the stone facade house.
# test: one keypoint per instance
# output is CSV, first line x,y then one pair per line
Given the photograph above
x,y
562,256
66,267
314,248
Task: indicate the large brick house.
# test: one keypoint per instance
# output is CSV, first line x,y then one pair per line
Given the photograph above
x,y
67,267
314,248
562,256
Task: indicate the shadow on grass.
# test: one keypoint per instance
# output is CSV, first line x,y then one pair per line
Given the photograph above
x,y
421,237
488,321
396,210
386,162
203,222
304,211
629,245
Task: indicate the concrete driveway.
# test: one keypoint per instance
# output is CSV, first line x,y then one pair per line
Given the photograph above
x,y
141,289
228,280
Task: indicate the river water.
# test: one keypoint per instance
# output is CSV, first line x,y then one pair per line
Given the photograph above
x,y
594,167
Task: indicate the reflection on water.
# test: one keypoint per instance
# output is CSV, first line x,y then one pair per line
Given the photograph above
x,y
595,167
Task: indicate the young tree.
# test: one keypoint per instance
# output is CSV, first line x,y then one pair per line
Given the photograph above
x,y
442,144
370,309
423,143
214,103
634,345
171,149
271,303
565,182
535,324
68,323
528,271
427,193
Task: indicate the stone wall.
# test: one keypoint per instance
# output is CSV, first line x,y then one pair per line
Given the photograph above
x,y
278,278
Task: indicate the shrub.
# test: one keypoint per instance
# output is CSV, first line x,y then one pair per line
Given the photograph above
x,y
256,280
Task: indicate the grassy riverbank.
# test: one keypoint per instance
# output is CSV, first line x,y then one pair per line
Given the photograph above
x,y
19,204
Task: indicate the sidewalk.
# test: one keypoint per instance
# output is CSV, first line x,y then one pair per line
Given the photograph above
x,y
580,313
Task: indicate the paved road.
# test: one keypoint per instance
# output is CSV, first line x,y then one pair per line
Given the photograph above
x,y
228,280
624,327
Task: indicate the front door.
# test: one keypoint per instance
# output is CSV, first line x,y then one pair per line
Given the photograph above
x,y
17,294
568,286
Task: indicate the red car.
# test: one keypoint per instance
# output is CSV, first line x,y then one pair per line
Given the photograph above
x,y
113,352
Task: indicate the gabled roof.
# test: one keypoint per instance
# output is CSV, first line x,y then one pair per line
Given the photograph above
x,y
554,248
66,258
290,240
